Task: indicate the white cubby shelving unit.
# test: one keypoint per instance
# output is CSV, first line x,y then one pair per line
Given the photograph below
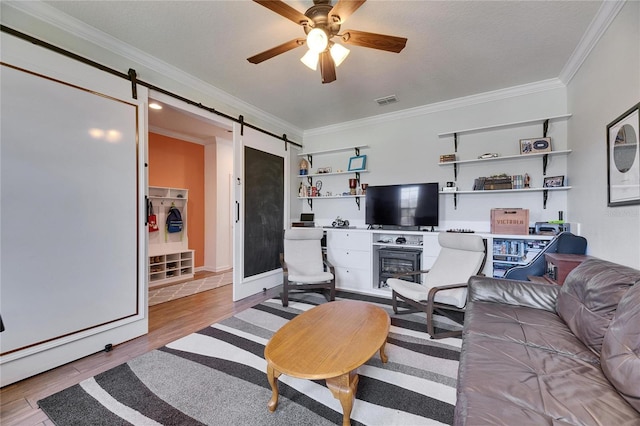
x,y
170,258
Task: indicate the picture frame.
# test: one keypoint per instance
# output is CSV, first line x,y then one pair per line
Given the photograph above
x,y
357,163
535,145
553,182
623,159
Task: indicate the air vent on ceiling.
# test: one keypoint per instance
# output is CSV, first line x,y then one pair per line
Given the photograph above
x,y
391,99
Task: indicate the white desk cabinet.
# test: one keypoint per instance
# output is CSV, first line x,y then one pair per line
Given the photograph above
x,y
350,253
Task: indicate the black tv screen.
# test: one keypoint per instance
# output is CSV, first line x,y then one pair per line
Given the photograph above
x,y
411,205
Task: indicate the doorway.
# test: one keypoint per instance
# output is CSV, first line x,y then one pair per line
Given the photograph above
x,y
192,150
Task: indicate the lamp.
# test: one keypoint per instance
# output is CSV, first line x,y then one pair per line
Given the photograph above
x,y
310,59
339,53
317,40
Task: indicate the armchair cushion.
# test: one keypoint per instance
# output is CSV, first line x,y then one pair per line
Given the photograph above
x,y
303,253
310,278
415,291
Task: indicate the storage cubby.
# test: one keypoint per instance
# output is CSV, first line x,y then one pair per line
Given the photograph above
x,y
169,256
170,267
510,252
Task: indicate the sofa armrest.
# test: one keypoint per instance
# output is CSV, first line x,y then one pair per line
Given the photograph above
x,y
512,292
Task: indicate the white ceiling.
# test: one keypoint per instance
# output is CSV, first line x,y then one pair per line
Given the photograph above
x,y
454,49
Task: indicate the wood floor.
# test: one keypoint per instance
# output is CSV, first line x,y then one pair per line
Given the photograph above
x,y
167,322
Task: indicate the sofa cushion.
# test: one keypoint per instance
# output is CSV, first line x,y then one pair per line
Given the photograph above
x,y
621,348
589,297
507,383
536,328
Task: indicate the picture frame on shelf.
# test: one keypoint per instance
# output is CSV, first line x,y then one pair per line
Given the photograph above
x,y
535,145
553,182
357,163
623,159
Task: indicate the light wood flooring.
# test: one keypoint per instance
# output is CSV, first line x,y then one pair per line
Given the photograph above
x,y
167,322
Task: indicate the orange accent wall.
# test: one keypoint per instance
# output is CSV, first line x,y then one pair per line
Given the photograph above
x,y
175,163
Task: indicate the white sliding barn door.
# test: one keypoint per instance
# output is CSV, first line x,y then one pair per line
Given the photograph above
x,y
261,182
72,249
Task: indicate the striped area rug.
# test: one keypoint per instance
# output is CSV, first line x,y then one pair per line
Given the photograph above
x,y
217,376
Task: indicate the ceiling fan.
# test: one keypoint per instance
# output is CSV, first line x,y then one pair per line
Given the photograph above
x,y
322,22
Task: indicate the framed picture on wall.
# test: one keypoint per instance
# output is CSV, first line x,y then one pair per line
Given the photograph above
x,y
357,163
623,159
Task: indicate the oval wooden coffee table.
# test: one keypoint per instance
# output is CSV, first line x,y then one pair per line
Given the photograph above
x,y
328,342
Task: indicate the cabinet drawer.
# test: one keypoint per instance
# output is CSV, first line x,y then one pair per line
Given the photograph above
x,y
353,278
349,240
350,258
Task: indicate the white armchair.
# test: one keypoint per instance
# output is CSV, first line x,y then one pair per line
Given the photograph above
x,y
304,266
444,286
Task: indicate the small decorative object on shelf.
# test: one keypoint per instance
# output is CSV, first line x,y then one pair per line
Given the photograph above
x,y
450,187
501,181
364,187
553,182
531,146
340,223
447,158
323,170
353,183
488,155
461,231
517,181
304,167
527,180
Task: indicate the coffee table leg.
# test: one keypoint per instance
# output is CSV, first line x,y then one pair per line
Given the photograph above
x,y
383,356
273,375
344,388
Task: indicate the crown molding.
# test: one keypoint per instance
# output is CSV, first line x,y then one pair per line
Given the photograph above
x,y
77,28
605,16
481,98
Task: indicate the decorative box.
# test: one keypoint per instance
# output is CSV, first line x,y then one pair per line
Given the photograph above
x,y
510,221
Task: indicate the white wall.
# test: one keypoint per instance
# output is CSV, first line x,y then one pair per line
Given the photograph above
x,y
405,148
225,205
607,84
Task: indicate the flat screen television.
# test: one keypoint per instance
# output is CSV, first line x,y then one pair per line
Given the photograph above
x,y
408,205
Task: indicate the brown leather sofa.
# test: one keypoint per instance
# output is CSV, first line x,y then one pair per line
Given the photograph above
x,y
537,354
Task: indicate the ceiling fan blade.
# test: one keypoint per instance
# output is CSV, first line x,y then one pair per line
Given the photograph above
x,y
344,8
275,51
284,9
327,67
374,41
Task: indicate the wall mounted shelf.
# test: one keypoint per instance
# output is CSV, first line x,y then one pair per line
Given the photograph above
x,y
545,193
543,155
497,126
309,157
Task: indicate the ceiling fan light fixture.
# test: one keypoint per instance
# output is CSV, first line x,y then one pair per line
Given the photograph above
x,y
317,40
310,59
339,53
